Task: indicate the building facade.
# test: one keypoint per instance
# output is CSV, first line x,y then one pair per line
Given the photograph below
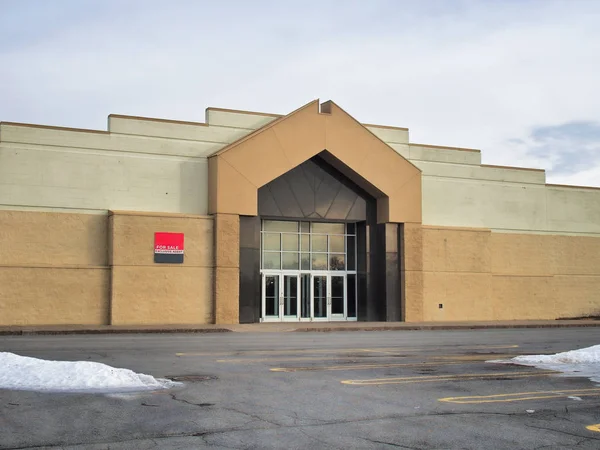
x,y
252,217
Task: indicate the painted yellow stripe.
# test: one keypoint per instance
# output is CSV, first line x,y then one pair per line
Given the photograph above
x,y
520,396
363,366
297,358
438,378
484,357
352,358
344,358
595,427
346,350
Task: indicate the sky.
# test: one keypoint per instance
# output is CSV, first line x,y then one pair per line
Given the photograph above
x,y
517,79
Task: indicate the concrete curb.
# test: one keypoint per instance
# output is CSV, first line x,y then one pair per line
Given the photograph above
x,y
37,331
41,331
446,327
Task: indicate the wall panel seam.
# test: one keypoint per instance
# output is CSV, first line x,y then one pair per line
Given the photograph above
x,y
451,271
159,266
541,184
58,266
84,150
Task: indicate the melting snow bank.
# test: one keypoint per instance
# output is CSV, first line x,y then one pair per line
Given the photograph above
x,y
32,374
575,363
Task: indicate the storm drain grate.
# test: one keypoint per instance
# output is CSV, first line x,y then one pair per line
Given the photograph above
x,y
191,378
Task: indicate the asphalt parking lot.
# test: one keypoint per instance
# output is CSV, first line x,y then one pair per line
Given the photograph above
x,y
388,389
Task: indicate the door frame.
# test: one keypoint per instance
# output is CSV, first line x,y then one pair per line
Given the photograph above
x,y
329,317
280,274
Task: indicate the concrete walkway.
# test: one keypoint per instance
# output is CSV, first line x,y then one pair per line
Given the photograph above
x,y
295,327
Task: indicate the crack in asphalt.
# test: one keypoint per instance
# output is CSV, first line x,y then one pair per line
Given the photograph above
x,y
391,444
255,418
562,432
316,438
174,397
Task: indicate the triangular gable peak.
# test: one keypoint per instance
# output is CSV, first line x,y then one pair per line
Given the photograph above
x,y
237,171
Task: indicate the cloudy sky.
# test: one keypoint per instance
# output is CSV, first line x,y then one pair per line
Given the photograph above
x,y
518,79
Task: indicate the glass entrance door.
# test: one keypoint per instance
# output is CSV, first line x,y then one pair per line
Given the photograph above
x,y
280,296
304,297
328,297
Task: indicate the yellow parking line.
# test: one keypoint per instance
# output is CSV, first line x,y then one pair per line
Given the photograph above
x,y
361,366
354,358
343,350
484,357
595,427
437,378
520,396
298,358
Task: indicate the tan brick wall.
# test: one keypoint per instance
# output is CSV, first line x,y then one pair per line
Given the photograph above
x,y
412,308
161,295
53,268
143,292
477,274
55,239
53,296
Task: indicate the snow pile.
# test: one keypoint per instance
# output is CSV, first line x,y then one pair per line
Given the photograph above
x,y
579,363
32,374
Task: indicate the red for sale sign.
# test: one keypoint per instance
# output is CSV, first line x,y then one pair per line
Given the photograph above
x,y
168,248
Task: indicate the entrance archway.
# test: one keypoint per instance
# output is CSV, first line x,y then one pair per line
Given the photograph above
x,y
265,176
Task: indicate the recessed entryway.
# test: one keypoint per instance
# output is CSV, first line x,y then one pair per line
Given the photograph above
x,y
308,271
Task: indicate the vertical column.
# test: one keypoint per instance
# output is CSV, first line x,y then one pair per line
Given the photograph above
x,y
377,303
227,268
249,269
411,246
393,293
362,268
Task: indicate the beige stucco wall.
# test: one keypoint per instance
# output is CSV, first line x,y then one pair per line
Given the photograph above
x,y
478,274
53,268
144,292
139,164
145,164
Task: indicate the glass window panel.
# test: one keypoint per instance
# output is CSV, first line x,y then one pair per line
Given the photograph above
x,y
320,296
337,305
280,225
336,244
319,261
319,243
290,295
305,295
351,228
290,242
337,261
337,286
305,261
328,228
337,295
305,243
271,295
289,261
351,253
351,295
305,227
271,286
271,241
271,260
